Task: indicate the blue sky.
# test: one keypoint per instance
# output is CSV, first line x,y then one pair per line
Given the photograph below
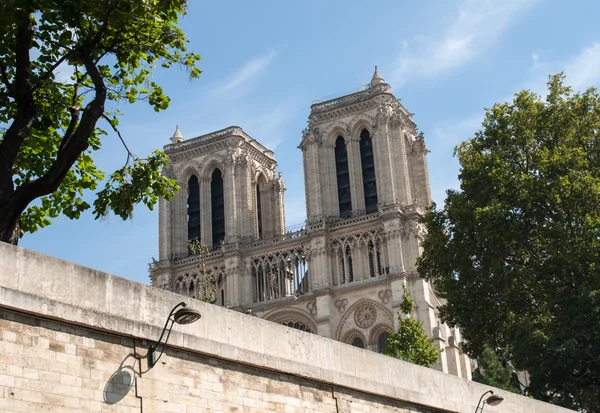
x,y
264,62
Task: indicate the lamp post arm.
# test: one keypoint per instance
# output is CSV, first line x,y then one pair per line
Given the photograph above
x,y
480,399
181,304
164,345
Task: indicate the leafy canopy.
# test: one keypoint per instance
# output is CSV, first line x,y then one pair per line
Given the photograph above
x,y
61,63
516,252
493,372
410,343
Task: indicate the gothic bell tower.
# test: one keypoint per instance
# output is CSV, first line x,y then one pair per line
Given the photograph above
x,y
229,193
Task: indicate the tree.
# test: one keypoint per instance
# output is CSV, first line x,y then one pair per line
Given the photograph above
x,y
516,252
206,283
493,372
410,343
109,49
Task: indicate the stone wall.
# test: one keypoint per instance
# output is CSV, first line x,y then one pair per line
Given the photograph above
x,y
74,340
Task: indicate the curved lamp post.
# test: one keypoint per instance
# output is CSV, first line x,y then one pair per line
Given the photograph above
x,y
181,316
492,400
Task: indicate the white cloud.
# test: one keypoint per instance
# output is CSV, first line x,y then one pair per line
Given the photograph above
x,y
251,69
535,59
478,25
583,71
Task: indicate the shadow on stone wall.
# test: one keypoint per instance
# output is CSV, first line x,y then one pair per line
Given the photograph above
x,y
121,381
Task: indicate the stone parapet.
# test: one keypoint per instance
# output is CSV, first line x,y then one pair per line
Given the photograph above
x,y
226,361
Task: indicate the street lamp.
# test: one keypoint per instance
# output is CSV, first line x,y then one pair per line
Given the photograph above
x,y
492,400
181,316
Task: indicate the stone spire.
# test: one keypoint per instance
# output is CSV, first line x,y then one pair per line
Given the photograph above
x,y
177,136
377,79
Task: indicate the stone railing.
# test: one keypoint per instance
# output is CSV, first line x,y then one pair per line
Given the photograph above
x,y
290,235
353,220
321,107
223,132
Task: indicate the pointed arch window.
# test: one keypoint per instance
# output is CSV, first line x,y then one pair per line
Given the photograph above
x,y
193,208
259,212
343,177
368,171
382,340
217,207
358,342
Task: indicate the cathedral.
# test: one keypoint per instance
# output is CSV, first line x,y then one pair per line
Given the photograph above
x,y
343,275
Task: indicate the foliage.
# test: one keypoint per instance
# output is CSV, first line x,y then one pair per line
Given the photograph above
x,y
516,252
410,343
206,281
493,372
61,63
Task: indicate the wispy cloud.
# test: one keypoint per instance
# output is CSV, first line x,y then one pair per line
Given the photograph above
x,y
254,67
478,25
584,70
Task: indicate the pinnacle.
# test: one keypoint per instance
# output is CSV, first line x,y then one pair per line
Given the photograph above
x,y
177,136
377,79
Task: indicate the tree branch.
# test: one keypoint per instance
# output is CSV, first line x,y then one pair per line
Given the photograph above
x,y
4,75
19,129
68,153
129,153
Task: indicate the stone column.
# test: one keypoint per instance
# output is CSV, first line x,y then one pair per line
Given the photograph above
x,y
324,327
357,191
312,175
393,234
164,233
231,201
278,209
179,221
384,166
205,212
453,357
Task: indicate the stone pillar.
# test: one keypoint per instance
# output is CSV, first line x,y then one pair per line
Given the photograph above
x,y
439,336
205,212
231,201
393,233
179,221
233,291
278,213
312,175
453,357
384,168
356,182
419,173
164,234
319,268
323,317
423,305
330,195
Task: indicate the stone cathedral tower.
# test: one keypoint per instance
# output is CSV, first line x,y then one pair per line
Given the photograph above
x,y
342,277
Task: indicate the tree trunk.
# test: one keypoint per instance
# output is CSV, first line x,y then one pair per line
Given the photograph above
x,y
9,225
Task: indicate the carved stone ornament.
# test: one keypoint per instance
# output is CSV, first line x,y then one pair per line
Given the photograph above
x,y
418,146
311,306
341,304
385,296
365,316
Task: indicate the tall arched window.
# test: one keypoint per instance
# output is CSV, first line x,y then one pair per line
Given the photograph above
x,y
259,213
343,177
368,171
357,342
381,341
217,207
193,208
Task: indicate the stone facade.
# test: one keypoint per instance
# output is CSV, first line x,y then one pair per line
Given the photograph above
x,y
342,276
73,339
